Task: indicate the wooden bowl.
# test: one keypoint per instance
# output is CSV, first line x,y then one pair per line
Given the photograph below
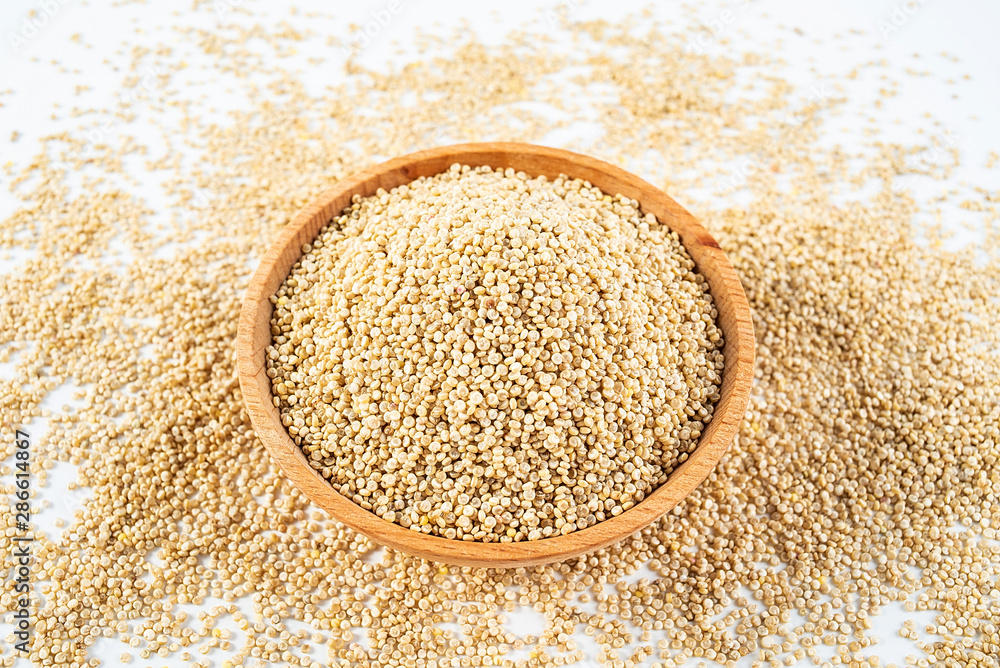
x,y
734,320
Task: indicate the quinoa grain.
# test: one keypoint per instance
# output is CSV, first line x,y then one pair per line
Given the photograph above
x,y
487,356
864,475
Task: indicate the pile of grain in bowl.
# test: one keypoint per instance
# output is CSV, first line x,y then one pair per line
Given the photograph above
x,y
482,355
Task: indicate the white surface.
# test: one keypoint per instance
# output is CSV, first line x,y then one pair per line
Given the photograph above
x,y
869,30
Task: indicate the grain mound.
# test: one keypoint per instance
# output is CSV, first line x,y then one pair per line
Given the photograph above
x,y
486,356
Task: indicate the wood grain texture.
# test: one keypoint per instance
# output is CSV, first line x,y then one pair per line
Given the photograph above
x,y
734,319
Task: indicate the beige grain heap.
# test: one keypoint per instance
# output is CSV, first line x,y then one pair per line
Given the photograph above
x,y
864,479
487,356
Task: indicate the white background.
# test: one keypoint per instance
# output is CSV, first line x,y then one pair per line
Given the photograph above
x,y
814,38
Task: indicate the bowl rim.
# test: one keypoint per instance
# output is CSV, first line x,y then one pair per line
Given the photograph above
x,y
254,335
